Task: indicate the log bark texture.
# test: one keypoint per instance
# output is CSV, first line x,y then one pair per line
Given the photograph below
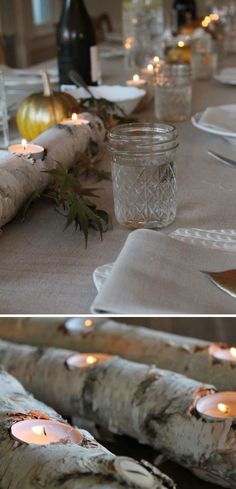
x,y
157,407
61,465
20,178
188,356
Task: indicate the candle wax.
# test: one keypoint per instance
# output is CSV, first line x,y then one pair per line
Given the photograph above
x,y
224,354
77,325
29,149
44,432
219,406
86,359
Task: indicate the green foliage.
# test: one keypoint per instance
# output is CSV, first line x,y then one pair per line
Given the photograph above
x,y
110,113
73,201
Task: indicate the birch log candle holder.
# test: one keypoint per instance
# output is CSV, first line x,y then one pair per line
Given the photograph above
x,y
62,143
154,406
72,459
201,360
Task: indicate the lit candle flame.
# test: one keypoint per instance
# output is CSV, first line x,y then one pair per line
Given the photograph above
x,y
24,143
233,352
90,360
156,59
88,323
150,68
136,78
181,44
223,408
206,21
39,430
129,42
74,117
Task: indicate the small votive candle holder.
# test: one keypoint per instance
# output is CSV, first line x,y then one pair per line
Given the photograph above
x,y
217,407
44,432
173,92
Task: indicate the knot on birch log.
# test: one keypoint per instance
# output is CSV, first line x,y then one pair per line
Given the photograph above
x,y
133,473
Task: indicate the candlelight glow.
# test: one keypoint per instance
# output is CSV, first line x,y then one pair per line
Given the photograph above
x,y
156,59
223,408
39,430
24,143
88,323
214,17
136,78
233,352
74,117
150,68
181,44
128,42
90,360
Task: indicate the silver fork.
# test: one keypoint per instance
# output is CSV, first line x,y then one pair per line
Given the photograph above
x,y
223,159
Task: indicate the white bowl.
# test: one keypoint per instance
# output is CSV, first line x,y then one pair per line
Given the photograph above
x,y
127,98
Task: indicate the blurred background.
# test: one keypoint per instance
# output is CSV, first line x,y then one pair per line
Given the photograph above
x,y
28,27
206,328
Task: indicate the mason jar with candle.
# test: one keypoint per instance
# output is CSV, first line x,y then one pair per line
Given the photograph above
x,y
173,92
144,174
204,58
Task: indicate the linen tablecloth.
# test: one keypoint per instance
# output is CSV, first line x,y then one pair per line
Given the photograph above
x,y
46,271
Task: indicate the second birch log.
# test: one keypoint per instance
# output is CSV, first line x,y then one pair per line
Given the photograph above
x,y
156,407
61,465
188,356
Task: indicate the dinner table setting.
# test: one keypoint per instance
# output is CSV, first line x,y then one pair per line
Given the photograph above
x,y
158,232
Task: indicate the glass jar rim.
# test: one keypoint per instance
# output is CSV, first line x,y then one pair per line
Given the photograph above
x,y
143,138
174,69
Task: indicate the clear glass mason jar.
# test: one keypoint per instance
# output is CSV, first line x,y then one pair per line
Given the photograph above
x,y
204,58
173,92
144,174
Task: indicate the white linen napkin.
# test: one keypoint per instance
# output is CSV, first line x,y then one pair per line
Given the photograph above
x,y
228,73
221,118
156,274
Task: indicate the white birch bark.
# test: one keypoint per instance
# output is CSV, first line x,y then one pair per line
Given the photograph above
x,y
20,178
188,356
61,465
157,407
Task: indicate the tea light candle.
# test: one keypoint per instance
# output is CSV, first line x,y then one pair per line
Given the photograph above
x,y
29,150
148,71
75,120
136,82
79,325
44,432
217,407
86,359
224,354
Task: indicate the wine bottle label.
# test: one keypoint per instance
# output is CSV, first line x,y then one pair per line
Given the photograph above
x,y
95,64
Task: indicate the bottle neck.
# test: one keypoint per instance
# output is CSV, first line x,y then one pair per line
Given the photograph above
x,y
75,6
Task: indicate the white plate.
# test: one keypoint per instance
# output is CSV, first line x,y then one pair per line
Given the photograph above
x,y
227,76
229,136
127,98
226,81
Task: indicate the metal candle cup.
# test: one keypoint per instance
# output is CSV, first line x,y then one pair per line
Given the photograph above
x,y
75,120
27,150
217,407
223,354
84,360
44,432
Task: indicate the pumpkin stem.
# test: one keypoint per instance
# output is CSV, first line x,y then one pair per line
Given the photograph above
x,y
47,89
